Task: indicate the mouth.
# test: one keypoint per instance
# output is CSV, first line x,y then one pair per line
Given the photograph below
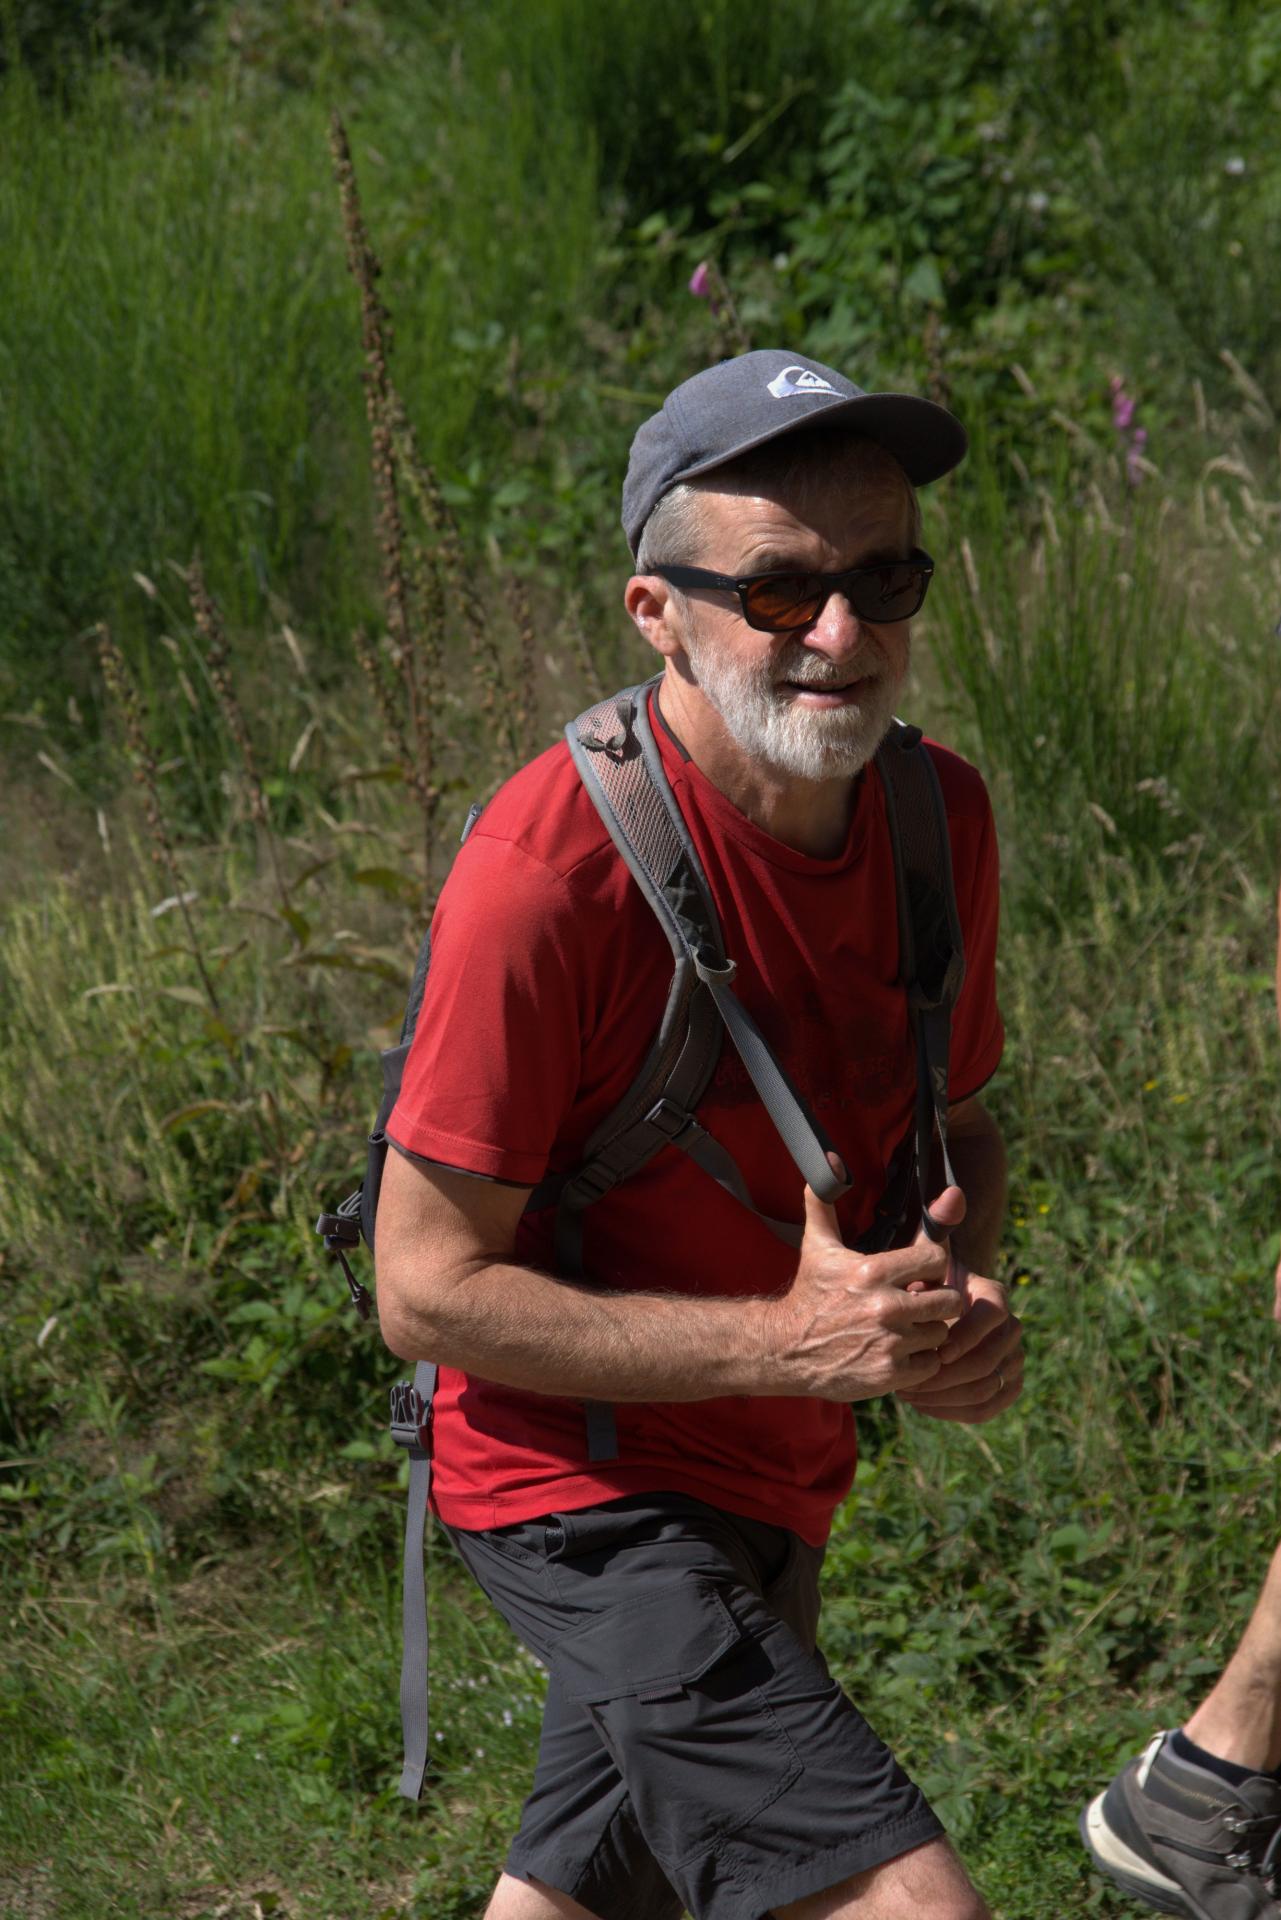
x,y
808,693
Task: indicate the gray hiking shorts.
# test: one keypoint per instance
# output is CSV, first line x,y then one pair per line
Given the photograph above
x,y
696,1752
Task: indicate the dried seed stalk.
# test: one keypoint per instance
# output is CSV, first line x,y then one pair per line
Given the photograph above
x,y
125,696
376,339
218,657
486,661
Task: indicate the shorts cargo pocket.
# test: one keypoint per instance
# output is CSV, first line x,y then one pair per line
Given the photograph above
x,y
673,1683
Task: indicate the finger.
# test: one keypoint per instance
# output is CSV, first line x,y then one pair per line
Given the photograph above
x,y
927,1336
970,1394
996,1350
947,1211
822,1228
916,1309
925,1260
914,1375
982,1321
979,1400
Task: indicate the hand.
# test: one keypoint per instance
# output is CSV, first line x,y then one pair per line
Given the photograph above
x,y
855,1325
981,1363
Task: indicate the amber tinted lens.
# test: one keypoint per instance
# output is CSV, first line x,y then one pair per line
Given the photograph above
x,y
785,600
888,593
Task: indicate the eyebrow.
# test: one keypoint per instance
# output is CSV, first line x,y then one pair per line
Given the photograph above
x,y
776,560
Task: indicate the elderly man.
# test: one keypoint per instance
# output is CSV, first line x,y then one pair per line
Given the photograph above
x,y
696,1752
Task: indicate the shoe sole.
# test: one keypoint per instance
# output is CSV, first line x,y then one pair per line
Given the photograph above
x,y
1125,1867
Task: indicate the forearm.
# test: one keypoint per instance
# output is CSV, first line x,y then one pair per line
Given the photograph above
x,y
521,1328
978,1157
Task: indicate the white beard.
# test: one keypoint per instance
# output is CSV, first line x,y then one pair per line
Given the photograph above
x,y
804,743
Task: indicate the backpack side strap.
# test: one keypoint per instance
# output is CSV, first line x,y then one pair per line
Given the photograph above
x,y
411,1415
931,945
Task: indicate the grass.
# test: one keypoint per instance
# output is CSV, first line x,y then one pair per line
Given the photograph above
x,y
200,1506
206,1508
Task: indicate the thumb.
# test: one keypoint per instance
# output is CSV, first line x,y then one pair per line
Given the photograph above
x,y
947,1211
821,1223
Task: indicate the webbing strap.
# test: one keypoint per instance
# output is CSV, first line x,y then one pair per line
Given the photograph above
x,y
414,1702
797,1127
717,1160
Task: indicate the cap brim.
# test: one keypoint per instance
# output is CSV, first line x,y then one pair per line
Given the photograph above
x,y
925,439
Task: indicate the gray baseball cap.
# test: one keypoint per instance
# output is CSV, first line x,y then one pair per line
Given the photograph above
x,y
742,403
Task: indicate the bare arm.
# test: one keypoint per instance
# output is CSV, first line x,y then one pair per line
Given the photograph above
x,y
978,1155
450,1289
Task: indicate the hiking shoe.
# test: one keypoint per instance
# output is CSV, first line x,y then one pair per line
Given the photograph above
x,y
1183,1840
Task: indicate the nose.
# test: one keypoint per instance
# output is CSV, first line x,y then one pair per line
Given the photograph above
x,y
837,631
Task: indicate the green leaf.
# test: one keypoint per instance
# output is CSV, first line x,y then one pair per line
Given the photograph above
x,y
182,1116
923,282
386,880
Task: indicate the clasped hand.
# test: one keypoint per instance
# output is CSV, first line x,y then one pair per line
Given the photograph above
x,y
912,1321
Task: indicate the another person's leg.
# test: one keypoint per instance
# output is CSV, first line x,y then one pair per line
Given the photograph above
x,y
1240,1720
1198,1815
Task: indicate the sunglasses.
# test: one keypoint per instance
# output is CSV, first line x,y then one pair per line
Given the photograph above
x,y
782,602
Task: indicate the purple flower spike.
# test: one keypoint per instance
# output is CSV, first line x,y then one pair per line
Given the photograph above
x,y
1122,405
700,282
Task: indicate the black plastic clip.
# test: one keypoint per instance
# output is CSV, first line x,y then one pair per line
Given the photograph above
x,y
411,1420
341,1231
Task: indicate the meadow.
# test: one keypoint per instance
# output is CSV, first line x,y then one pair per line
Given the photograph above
x,y
296,562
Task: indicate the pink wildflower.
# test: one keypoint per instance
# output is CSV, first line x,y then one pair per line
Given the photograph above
x,y
1122,406
700,281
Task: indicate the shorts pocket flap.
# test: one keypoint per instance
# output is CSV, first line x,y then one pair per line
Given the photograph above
x,y
665,1640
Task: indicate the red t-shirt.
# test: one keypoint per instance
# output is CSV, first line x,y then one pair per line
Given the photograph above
x,y
549,973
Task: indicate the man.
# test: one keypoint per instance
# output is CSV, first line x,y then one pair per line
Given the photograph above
x,y
695,1750
1193,1825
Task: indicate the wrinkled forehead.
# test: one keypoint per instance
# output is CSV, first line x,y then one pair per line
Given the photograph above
x,y
743,519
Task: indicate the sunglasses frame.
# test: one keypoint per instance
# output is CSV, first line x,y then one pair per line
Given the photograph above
x,y
830,582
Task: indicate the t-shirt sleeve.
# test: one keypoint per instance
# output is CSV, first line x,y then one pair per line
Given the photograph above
x,y
978,1034
495,1058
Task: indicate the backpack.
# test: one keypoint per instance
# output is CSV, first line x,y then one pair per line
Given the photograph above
x,y
618,760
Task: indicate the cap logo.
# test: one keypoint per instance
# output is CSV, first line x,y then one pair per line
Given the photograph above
x,y
796,381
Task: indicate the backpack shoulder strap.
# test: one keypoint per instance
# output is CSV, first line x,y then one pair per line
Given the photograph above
x,y
618,760
931,946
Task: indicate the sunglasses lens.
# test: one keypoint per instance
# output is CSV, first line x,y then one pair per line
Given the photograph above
x,y
785,600
889,593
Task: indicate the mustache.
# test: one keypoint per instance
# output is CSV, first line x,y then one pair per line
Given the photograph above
x,y
804,669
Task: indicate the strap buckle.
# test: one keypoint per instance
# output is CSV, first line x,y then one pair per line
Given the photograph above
x,y
411,1420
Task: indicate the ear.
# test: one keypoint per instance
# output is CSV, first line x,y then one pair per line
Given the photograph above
x,y
649,602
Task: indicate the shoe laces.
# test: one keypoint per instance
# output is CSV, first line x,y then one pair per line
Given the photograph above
x,y
1251,1828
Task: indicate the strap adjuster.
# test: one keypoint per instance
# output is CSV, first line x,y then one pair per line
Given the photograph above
x,y
411,1420
669,1119
710,972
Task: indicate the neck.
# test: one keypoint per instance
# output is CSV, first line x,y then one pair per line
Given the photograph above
x,y
811,816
